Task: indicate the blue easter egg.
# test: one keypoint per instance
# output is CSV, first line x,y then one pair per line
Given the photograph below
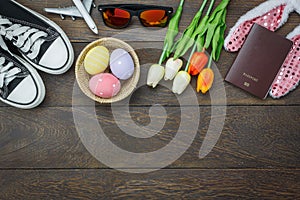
x,y
121,64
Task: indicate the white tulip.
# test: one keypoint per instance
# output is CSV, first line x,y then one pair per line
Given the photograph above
x,y
181,81
172,68
155,74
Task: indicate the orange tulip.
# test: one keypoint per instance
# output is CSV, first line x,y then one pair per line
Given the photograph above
x,y
205,80
197,63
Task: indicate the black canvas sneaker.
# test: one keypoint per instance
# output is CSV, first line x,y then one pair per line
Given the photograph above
x,y
40,41
20,84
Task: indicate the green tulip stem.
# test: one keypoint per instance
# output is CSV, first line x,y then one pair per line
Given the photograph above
x,y
203,5
163,54
209,62
181,3
192,52
210,7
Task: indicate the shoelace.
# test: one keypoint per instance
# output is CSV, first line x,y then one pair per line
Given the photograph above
x,y
27,39
8,72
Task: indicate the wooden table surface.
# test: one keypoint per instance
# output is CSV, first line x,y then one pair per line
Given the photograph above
x,y
256,156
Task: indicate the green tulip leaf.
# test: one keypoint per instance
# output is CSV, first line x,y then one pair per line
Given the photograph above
x,y
171,32
188,37
221,42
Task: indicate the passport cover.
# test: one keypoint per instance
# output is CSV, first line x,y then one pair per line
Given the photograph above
x,y
259,61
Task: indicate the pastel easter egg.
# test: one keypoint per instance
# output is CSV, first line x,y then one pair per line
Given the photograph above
x,y
96,60
105,85
121,64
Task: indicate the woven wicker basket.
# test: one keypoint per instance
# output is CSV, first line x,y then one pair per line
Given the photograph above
x,y
83,77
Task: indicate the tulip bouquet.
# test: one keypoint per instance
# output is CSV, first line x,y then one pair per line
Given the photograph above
x,y
157,71
209,32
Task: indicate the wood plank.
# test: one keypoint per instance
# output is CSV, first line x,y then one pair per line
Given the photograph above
x,y
60,88
256,156
171,184
79,28
252,137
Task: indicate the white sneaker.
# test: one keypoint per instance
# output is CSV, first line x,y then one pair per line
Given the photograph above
x,y
20,84
39,40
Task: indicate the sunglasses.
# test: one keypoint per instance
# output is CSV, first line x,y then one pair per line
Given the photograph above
x,y
119,15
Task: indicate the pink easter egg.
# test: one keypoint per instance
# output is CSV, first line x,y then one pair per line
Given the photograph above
x,y
105,85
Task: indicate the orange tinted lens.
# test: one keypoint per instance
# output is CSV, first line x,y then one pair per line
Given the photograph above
x,y
116,17
154,18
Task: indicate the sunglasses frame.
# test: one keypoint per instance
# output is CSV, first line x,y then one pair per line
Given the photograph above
x,y
135,10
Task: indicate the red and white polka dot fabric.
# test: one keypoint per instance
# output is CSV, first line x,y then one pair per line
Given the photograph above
x,y
289,75
269,20
271,14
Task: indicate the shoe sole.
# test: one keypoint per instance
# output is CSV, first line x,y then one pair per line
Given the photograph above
x,y
63,35
40,86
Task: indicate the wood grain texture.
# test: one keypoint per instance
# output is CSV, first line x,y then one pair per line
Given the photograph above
x,y
149,47
77,29
47,138
256,157
164,184
59,89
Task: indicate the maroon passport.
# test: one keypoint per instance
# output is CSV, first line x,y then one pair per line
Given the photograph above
x,y
259,61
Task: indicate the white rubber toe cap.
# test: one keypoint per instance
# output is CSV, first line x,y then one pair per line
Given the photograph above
x,y
56,55
25,93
